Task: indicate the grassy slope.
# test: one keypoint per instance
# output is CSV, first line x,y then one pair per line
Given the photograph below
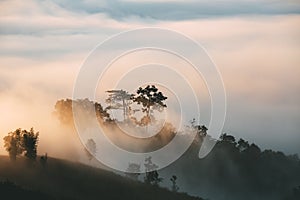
x,y
68,180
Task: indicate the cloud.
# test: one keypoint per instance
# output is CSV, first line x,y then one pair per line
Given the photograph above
x,y
47,18
182,10
43,44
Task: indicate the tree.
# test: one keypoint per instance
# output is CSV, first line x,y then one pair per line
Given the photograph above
x,y
21,141
200,130
151,99
252,152
174,186
12,144
101,113
64,110
242,145
29,143
44,159
228,138
152,176
120,99
91,149
87,109
133,171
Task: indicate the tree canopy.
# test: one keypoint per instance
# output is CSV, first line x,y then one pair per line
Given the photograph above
x,y
21,141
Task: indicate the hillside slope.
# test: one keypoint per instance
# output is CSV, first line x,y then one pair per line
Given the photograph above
x,y
232,171
61,179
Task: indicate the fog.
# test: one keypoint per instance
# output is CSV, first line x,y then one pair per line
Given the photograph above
x,y
258,57
28,100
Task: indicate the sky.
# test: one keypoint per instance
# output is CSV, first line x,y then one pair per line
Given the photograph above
x,y
254,43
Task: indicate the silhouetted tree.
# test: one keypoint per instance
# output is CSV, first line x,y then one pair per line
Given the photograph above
x,y
151,99
29,143
44,159
12,144
227,138
91,149
133,171
119,99
152,176
101,113
242,145
21,141
252,152
201,129
174,186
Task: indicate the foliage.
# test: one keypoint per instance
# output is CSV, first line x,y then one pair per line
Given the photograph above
x,y
44,159
21,141
200,130
174,187
119,99
64,110
12,144
238,169
91,148
29,142
152,176
151,99
133,171
242,145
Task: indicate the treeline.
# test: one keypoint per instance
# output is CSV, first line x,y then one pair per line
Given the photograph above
x,y
115,128
145,101
236,169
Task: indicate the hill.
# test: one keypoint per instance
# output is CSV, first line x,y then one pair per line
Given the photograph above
x,y
61,179
237,170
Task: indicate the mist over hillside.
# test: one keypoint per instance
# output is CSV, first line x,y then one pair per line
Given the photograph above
x,y
149,100
235,169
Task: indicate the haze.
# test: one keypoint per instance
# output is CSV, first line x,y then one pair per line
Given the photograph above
x,y
44,43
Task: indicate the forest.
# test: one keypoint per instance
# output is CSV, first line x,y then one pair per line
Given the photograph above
x,y
234,169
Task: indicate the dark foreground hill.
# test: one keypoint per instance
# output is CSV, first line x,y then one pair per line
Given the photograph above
x,y
61,179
